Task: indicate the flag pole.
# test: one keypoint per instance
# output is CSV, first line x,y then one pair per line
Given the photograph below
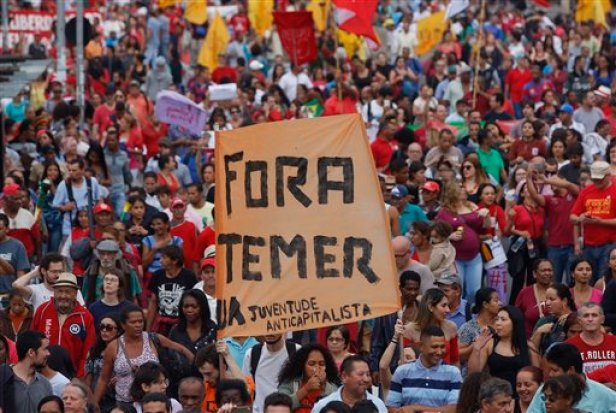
x,y
338,70
482,14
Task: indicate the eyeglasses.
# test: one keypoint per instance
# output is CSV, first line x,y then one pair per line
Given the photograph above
x,y
467,167
107,327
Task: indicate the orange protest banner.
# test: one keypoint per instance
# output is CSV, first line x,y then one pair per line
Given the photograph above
x,y
302,236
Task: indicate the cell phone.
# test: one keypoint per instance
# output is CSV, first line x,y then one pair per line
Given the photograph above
x,y
241,409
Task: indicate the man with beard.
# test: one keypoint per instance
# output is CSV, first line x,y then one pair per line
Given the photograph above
x,y
269,357
66,322
356,382
52,265
107,255
29,386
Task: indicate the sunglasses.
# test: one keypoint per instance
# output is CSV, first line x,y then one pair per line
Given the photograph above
x,y
467,167
107,327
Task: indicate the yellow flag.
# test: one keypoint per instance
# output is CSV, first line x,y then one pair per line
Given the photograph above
x,y
215,43
260,15
320,10
167,3
196,11
592,10
352,43
430,32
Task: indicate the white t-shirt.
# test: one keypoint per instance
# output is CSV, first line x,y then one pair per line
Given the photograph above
x,y
266,377
40,294
58,382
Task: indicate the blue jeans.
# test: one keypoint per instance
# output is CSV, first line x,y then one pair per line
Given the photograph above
x,y
54,240
561,258
598,257
470,273
517,110
117,202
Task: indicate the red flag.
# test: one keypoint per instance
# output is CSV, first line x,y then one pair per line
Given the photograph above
x,y
543,3
355,16
296,31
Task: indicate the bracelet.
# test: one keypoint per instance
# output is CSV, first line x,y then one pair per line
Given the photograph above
x,y
394,341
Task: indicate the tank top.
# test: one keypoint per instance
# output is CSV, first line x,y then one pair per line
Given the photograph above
x,y
122,369
506,367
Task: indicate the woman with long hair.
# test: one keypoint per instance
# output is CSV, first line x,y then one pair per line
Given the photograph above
x,y
528,146
506,350
166,176
581,276
468,221
518,174
195,328
468,402
309,375
496,268
558,150
17,317
95,161
531,300
487,305
550,328
527,383
137,228
473,176
420,238
525,223
433,310
108,330
338,343
610,274
52,216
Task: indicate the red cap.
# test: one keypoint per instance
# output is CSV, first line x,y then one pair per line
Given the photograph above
x,y
208,261
10,189
102,207
177,202
431,186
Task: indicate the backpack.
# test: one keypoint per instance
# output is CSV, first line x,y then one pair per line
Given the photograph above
x,y
255,355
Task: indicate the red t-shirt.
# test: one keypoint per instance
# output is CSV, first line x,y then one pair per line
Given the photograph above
x,y
516,79
382,151
206,238
188,232
604,375
559,226
527,150
224,71
527,220
596,357
597,203
102,118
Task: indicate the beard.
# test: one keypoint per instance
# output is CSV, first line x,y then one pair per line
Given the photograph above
x,y
107,263
64,307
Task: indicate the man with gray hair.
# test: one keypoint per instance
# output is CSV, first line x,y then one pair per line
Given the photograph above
x,y
495,396
402,252
596,348
107,255
191,393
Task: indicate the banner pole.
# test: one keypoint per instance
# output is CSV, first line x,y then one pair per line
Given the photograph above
x,y
338,70
482,14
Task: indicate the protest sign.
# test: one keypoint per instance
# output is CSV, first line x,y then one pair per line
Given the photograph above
x,y
176,109
302,235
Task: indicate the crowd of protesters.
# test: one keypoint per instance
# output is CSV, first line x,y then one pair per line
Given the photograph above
x,y
497,162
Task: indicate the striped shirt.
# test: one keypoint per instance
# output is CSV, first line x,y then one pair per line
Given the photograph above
x,y
415,384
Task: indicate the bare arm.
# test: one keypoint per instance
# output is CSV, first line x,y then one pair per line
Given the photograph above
x,y
236,372
148,256
532,190
21,283
6,267
152,311
172,345
103,380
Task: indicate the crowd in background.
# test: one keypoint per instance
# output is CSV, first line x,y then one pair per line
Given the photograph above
x,y
497,162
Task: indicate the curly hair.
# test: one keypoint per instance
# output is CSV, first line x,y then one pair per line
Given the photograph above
x,y
293,369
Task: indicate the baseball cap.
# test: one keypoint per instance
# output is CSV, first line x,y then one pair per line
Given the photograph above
x,y
210,252
431,186
208,261
177,202
108,245
599,170
10,189
102,208
399,191
66,279
449,278
567,108
603,91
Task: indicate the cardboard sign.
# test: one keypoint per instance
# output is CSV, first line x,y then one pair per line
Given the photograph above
x,y
176,109
302,236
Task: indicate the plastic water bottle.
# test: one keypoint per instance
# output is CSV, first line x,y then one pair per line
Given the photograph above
x,y
532,252
515,247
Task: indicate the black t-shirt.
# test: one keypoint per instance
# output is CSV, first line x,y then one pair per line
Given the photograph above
x,y
170,290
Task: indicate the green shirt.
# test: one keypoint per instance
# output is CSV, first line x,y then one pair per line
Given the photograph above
x,y
492,163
